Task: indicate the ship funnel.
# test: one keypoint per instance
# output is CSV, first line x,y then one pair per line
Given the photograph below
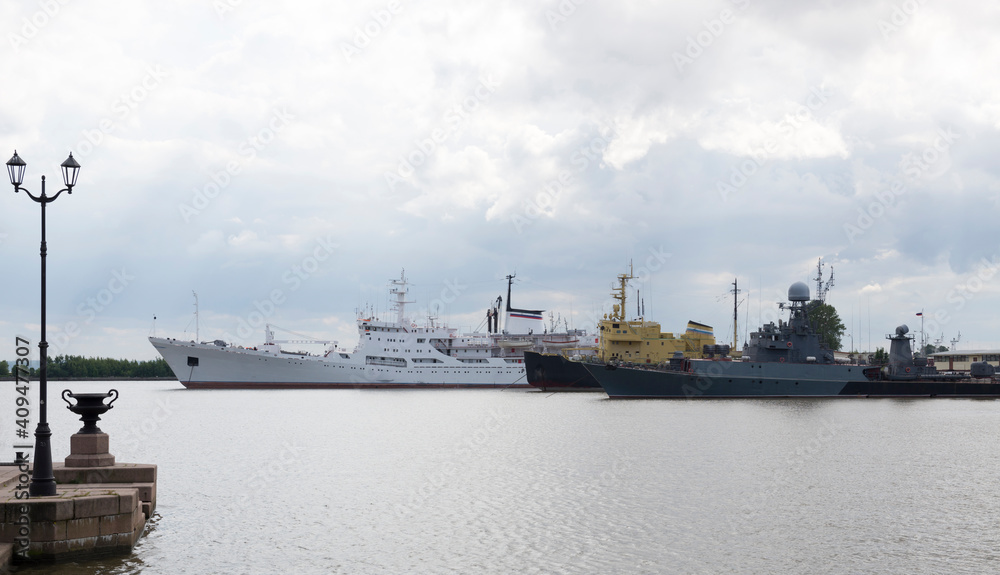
x,y
900,356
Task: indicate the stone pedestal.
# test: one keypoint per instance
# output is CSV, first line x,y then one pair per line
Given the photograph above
x,y
96,511
89,450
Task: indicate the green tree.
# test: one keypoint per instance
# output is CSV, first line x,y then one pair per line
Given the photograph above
x,y
74,366
826,322
880,357
930,348
4,368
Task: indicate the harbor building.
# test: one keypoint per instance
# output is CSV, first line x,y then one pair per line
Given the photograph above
x,y
962,359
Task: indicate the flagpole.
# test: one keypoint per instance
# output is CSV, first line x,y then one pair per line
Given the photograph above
x,y
923,342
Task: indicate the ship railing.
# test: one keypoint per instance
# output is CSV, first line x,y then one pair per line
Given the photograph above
x,y
387,361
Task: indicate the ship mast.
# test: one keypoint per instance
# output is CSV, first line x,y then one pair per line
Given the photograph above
x,y
197,335
399,290
822,288
618,311
736,292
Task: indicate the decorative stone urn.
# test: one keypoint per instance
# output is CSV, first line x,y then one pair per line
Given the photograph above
x,y
90,407
89,446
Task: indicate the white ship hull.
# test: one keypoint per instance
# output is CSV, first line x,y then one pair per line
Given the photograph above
x,y
241,368
389,354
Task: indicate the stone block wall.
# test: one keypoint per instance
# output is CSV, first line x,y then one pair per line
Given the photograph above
x,y
77,522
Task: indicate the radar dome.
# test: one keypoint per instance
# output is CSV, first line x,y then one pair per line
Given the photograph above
x,y
798,292
902,330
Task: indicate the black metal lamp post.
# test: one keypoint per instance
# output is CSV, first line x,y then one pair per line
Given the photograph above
x,y
43,483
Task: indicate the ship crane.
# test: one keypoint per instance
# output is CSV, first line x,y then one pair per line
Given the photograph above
x,y
269,338
300,341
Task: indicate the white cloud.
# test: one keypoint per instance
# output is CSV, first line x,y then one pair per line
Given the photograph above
x,y
841,110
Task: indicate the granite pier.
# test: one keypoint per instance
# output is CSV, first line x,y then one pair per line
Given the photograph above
x,y
100,508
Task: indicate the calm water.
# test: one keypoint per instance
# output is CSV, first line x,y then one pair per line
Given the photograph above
x,y
487,481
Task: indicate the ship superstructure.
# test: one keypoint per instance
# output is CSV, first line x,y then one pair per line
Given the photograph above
x,y
640,340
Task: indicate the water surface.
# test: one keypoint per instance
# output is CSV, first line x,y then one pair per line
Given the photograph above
x,y
516,481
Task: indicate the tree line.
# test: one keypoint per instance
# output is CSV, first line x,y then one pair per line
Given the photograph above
x,y
73,366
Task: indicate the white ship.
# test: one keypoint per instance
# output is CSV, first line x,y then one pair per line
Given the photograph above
x,y
389,354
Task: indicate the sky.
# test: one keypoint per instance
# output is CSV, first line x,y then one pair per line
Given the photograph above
x,y
284,161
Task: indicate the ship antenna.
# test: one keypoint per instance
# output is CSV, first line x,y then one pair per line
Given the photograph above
x,y
736,292
822,288
197,336
819,279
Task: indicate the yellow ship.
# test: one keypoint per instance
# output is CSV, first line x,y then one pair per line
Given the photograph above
x,y
641,341
620,339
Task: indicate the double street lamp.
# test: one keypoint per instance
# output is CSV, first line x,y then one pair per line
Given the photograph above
x,y
43,483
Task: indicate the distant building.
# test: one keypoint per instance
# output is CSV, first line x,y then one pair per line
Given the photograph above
x,y
961,360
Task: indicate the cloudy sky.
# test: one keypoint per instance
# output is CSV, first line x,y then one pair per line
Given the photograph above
x,y
285,160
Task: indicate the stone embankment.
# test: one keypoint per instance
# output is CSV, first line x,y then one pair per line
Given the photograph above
x,y
100,507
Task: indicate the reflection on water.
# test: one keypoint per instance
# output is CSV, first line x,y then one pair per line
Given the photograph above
x,y
487,481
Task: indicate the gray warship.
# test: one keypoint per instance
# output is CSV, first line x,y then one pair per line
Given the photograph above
x,y
788,360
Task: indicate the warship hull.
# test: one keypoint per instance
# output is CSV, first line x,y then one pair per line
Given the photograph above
x,y
788,360
710,379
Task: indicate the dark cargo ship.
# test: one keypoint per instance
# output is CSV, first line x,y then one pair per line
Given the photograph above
x,y
556,372
788,360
